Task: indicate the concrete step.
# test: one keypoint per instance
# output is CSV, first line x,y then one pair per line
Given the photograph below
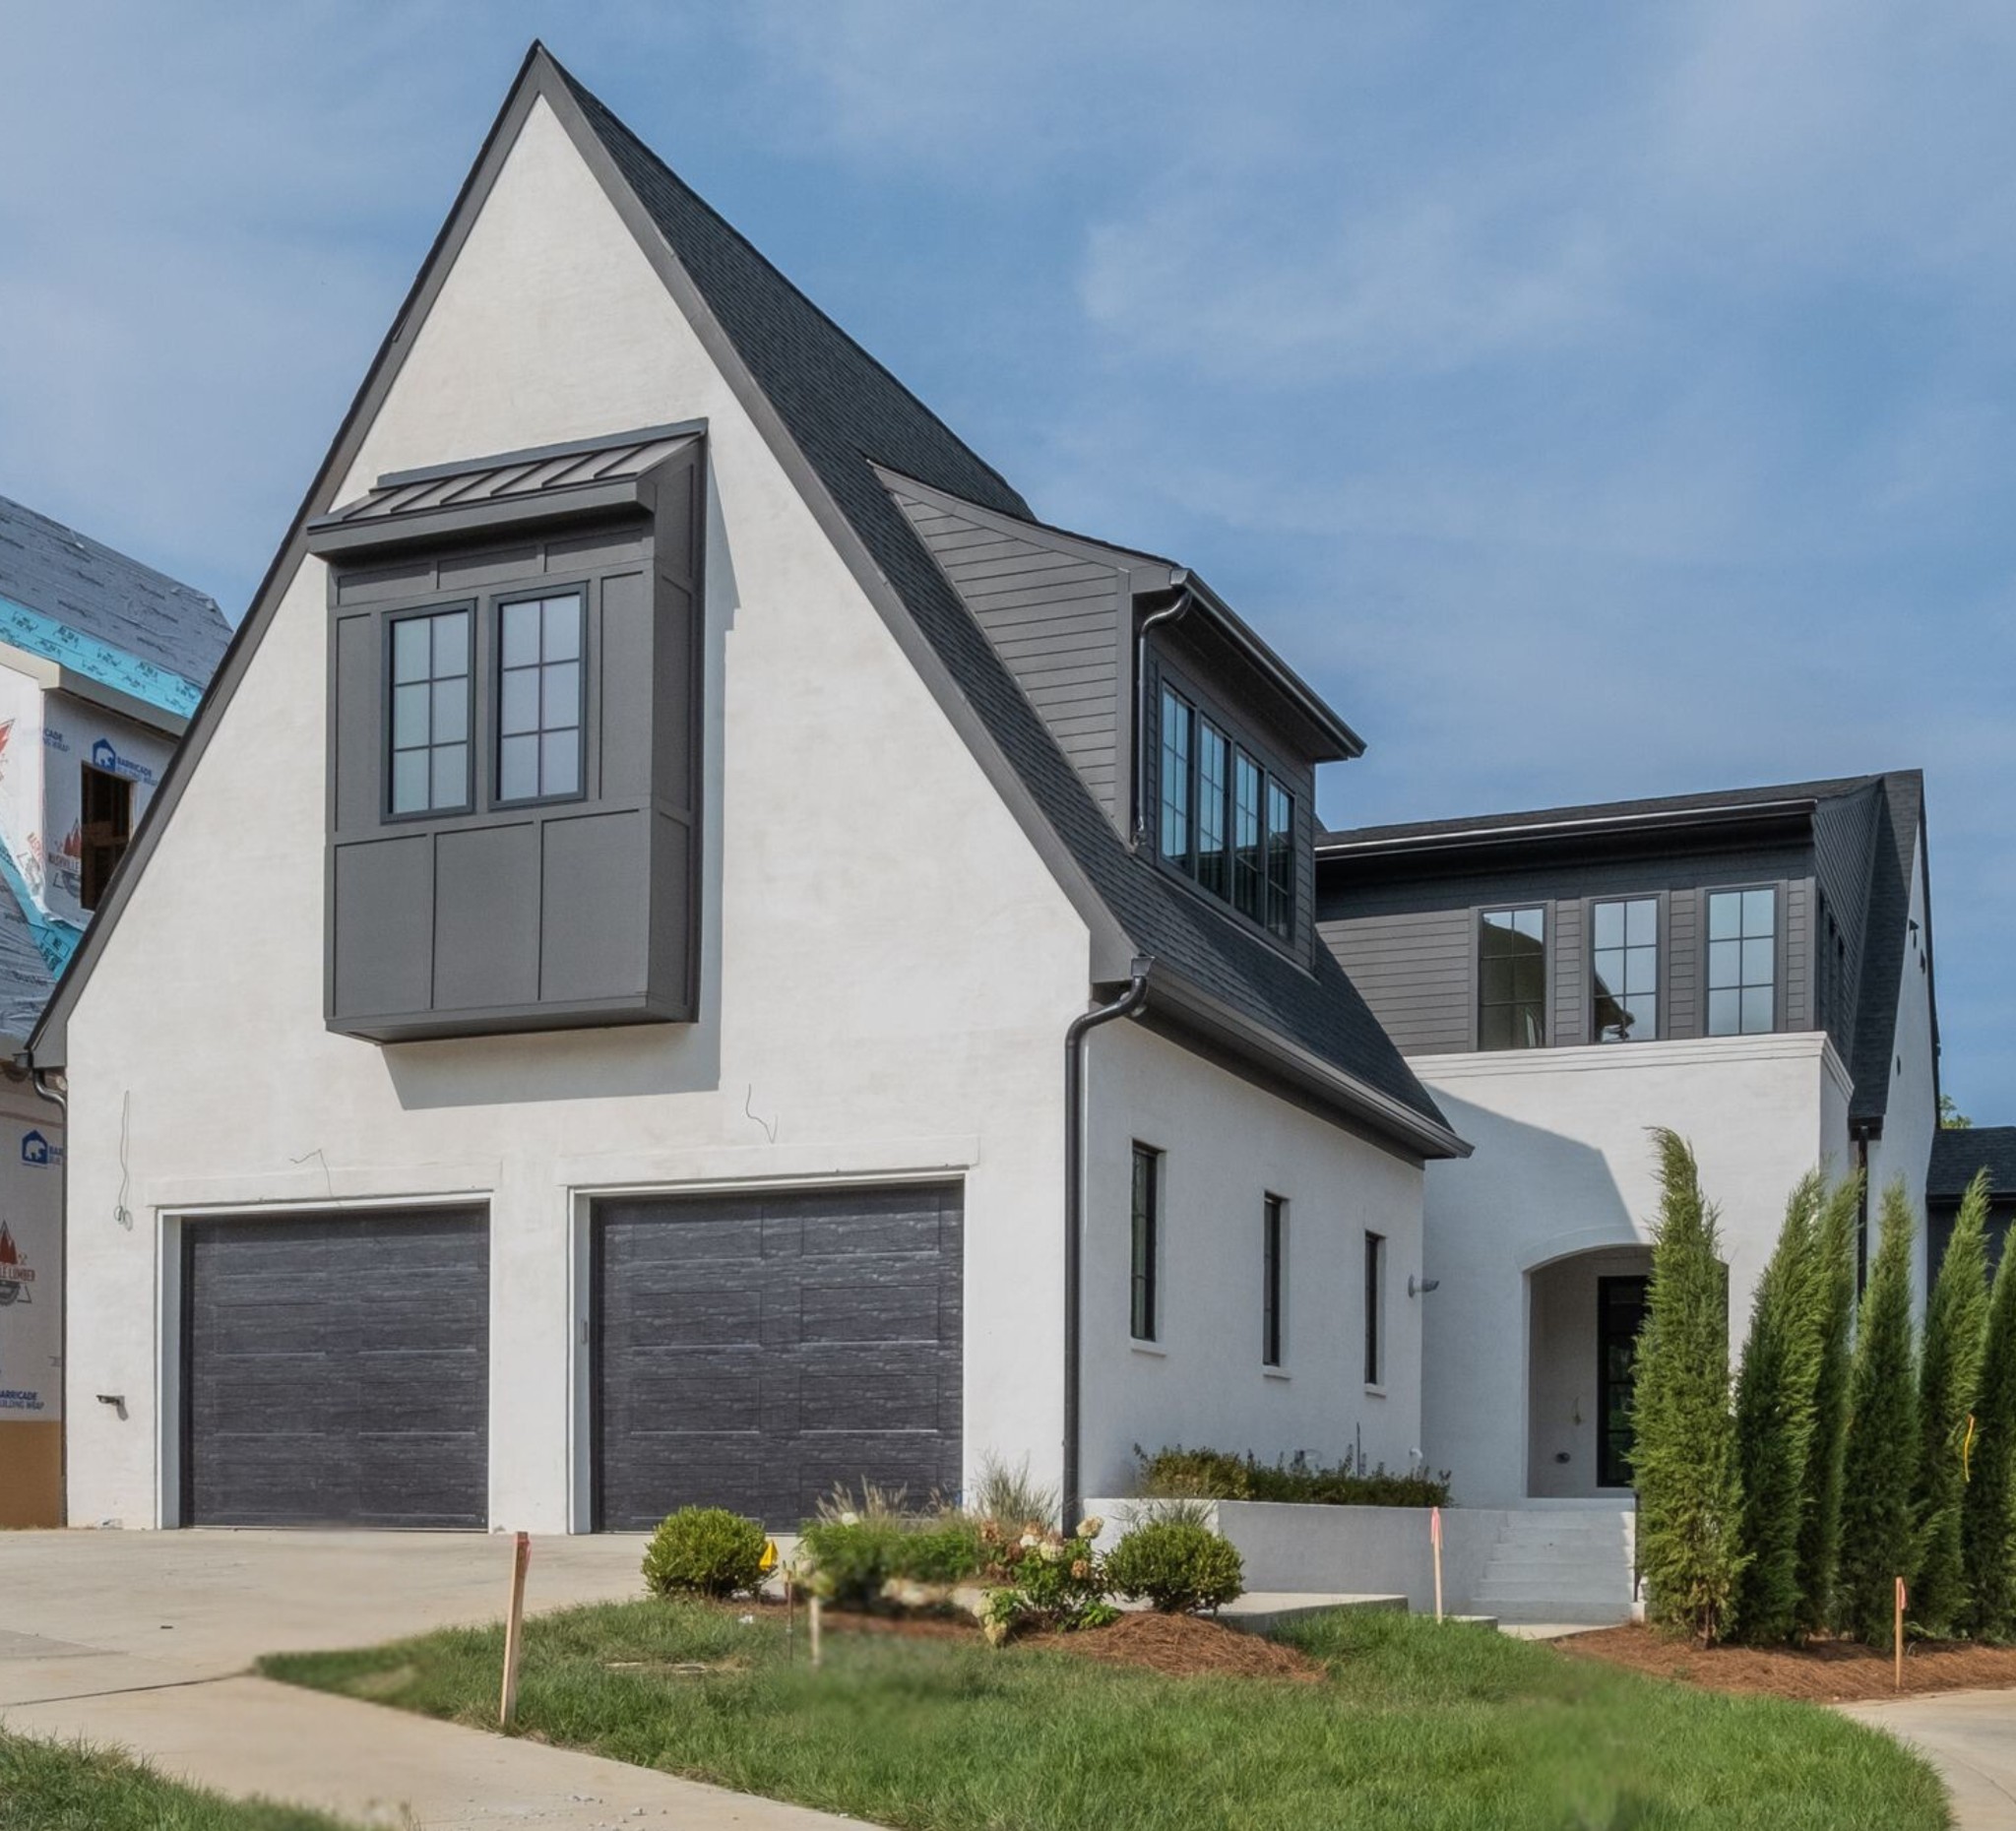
x,y
1261,1612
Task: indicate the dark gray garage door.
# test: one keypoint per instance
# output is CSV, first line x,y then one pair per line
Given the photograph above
x,y
336,1371
752,1350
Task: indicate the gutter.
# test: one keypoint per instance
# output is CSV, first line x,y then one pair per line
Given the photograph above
x,y
1340,846
1180,582
1126,1004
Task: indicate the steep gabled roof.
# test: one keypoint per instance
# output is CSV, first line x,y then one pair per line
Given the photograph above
x,y
832,415
1959,1153
1867,829
82,585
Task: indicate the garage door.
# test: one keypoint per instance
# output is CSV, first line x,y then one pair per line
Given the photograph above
x,y
336,1371
752,1350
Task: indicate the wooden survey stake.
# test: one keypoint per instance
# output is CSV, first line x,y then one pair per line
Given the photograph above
x,y
514,1630
1435,1539
812,1627
1900,1633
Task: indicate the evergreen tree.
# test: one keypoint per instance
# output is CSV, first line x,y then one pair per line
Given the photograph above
x,y
1987,1514
1949,1384
1879,1468
1683,1455
1820,1520
1775,1421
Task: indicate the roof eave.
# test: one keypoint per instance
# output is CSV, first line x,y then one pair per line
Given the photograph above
x,y
1342,845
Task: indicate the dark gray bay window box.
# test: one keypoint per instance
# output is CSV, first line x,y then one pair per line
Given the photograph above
x,y
514,717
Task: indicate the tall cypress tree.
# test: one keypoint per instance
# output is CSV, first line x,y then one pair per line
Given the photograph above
x,y
1775,1421
1949,1384
1987,1514
1684,1435
1879,1468
1820,1521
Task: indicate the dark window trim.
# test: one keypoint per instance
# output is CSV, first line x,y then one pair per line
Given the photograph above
x,y
1274,1281
1781,915
1238,740
1144,1245
388,622
1548,906
1662,969
493,651
1375,1309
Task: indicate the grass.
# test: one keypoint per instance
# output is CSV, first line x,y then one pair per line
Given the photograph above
x,y
1415,1726
61,1787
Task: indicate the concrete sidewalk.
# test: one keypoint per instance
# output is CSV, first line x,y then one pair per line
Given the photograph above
x,y
1969,1736
145,1640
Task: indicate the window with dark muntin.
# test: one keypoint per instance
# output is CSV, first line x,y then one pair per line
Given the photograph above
x,y
1273,1280
430,726
539,698
1375,1309
1625,969
1742,962
1225,820
1512,979
1145,1253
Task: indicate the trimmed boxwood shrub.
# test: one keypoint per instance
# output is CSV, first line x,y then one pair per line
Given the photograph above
x,y
1176,1567
1174,1473
704,1551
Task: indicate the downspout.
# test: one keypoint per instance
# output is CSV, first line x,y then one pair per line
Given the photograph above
x,y
1180,580
1862,1213
39,1079
1125,1005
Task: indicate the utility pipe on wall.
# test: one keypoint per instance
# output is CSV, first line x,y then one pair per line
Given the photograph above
x,y
1125,1005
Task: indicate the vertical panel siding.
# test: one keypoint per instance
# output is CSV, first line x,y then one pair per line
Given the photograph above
x,y
1056,619
1569,1021
1683,966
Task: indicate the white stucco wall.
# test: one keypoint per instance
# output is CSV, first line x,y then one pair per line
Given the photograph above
x,y
1226,1144
1563,1166
887,970
1912,1114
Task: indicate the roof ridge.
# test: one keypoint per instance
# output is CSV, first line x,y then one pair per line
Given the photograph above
x,y
604,118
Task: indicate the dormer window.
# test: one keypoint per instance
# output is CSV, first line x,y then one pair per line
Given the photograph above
x,y
1225,819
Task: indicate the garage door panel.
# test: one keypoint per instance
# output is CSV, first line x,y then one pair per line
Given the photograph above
x,y
842,1364
336,1370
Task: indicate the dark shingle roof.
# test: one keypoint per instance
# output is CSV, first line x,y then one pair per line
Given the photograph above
x,y
847,415
1883,812
26,980
86,586
1957,1155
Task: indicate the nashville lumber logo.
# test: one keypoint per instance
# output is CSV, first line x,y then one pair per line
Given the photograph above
x,y
15,1274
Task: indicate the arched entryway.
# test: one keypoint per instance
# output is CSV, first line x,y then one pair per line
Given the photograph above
x,y
1584,1313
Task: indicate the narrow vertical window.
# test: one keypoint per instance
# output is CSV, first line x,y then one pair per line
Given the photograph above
x,y
1375,1309
1143,1298
1177,718
430,713
1214,861
1742,962
1625,970
1512,979
540,699
1247,865
1273,1280
105,829
1281,861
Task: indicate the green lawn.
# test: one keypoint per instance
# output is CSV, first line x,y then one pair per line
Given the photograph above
x,y
1415,1725
54,1787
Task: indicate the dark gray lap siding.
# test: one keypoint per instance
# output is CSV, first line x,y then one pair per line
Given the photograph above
x,y
753,1350
336,1371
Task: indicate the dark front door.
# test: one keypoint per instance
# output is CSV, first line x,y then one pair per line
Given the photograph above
x,y
336,1371
1619,1315
755,1351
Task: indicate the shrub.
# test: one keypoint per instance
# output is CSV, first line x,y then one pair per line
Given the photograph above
x,y
1949,1384
1821,1516
1174,1473
1043,1578
1775,1421
1879,1468
1011,1497
849,1559
1176,1567
1683,1455
704,1551
1988,1520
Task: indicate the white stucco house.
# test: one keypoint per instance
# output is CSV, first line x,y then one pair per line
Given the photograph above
x,y
101,662
1751,968
754,963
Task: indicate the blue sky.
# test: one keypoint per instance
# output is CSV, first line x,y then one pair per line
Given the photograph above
x,y
1590,401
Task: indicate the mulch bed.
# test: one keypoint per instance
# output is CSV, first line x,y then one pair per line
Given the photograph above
x,y
1827,1671
1184,1646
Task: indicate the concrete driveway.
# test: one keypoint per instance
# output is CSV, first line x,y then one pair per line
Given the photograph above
x,y
1969,1736
145,1640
